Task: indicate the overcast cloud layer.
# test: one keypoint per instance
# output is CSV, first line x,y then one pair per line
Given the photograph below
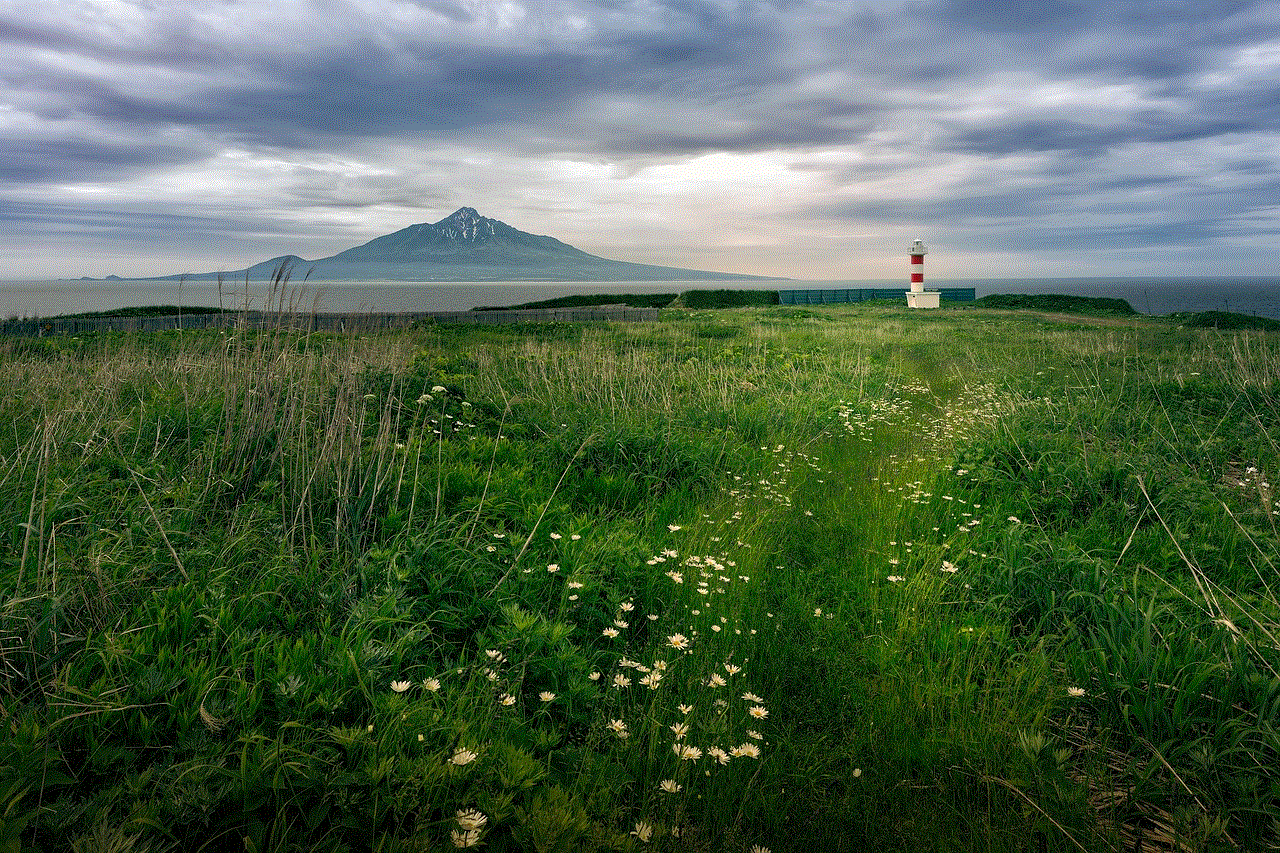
x,y
805,139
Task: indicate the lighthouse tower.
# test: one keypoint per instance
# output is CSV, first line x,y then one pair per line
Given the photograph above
x,y
917,296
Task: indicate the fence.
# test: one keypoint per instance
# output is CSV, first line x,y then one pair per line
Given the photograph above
x,y
862,294
348,322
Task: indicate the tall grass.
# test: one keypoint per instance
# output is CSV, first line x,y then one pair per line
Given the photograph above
x,y
983,581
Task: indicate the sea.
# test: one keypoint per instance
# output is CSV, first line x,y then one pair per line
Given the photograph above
x,y
1151,295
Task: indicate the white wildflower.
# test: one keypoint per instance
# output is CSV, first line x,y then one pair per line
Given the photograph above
x,y
465,837
463,757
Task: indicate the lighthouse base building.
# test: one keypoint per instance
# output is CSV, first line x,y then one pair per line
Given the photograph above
x,y
917,296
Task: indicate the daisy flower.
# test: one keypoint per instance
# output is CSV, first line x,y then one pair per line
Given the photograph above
x,y
685,752
465,837
463,757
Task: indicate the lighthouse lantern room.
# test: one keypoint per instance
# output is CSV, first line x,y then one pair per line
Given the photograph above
x,y
917,296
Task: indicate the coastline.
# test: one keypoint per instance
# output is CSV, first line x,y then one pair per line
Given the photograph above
x,y
1155,296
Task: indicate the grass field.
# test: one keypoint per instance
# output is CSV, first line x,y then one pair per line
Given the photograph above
x,y
825,578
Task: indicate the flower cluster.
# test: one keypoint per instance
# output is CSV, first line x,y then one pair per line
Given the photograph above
x,y
471,823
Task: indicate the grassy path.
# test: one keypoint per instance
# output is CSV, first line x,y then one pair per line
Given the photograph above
x,y
895,704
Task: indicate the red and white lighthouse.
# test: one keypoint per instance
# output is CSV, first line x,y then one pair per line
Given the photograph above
x,y
917,296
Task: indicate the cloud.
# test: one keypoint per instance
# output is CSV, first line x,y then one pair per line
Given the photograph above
x,y
344,117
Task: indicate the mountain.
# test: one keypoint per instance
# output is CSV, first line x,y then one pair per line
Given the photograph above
x,y
468,247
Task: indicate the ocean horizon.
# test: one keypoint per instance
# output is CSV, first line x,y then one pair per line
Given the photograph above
x,y
1153,295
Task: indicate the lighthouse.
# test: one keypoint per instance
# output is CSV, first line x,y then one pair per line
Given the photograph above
x,y
917,296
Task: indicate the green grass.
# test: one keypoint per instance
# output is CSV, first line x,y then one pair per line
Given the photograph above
x,y
703,299
633,300
148,311
1089,305
1225,320
997,583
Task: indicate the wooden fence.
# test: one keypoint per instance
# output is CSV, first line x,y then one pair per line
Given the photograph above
x,y
345,322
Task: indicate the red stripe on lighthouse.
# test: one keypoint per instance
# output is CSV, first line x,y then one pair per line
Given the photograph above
x,y
917,277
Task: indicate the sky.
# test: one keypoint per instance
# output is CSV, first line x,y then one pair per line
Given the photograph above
x,y
811,139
